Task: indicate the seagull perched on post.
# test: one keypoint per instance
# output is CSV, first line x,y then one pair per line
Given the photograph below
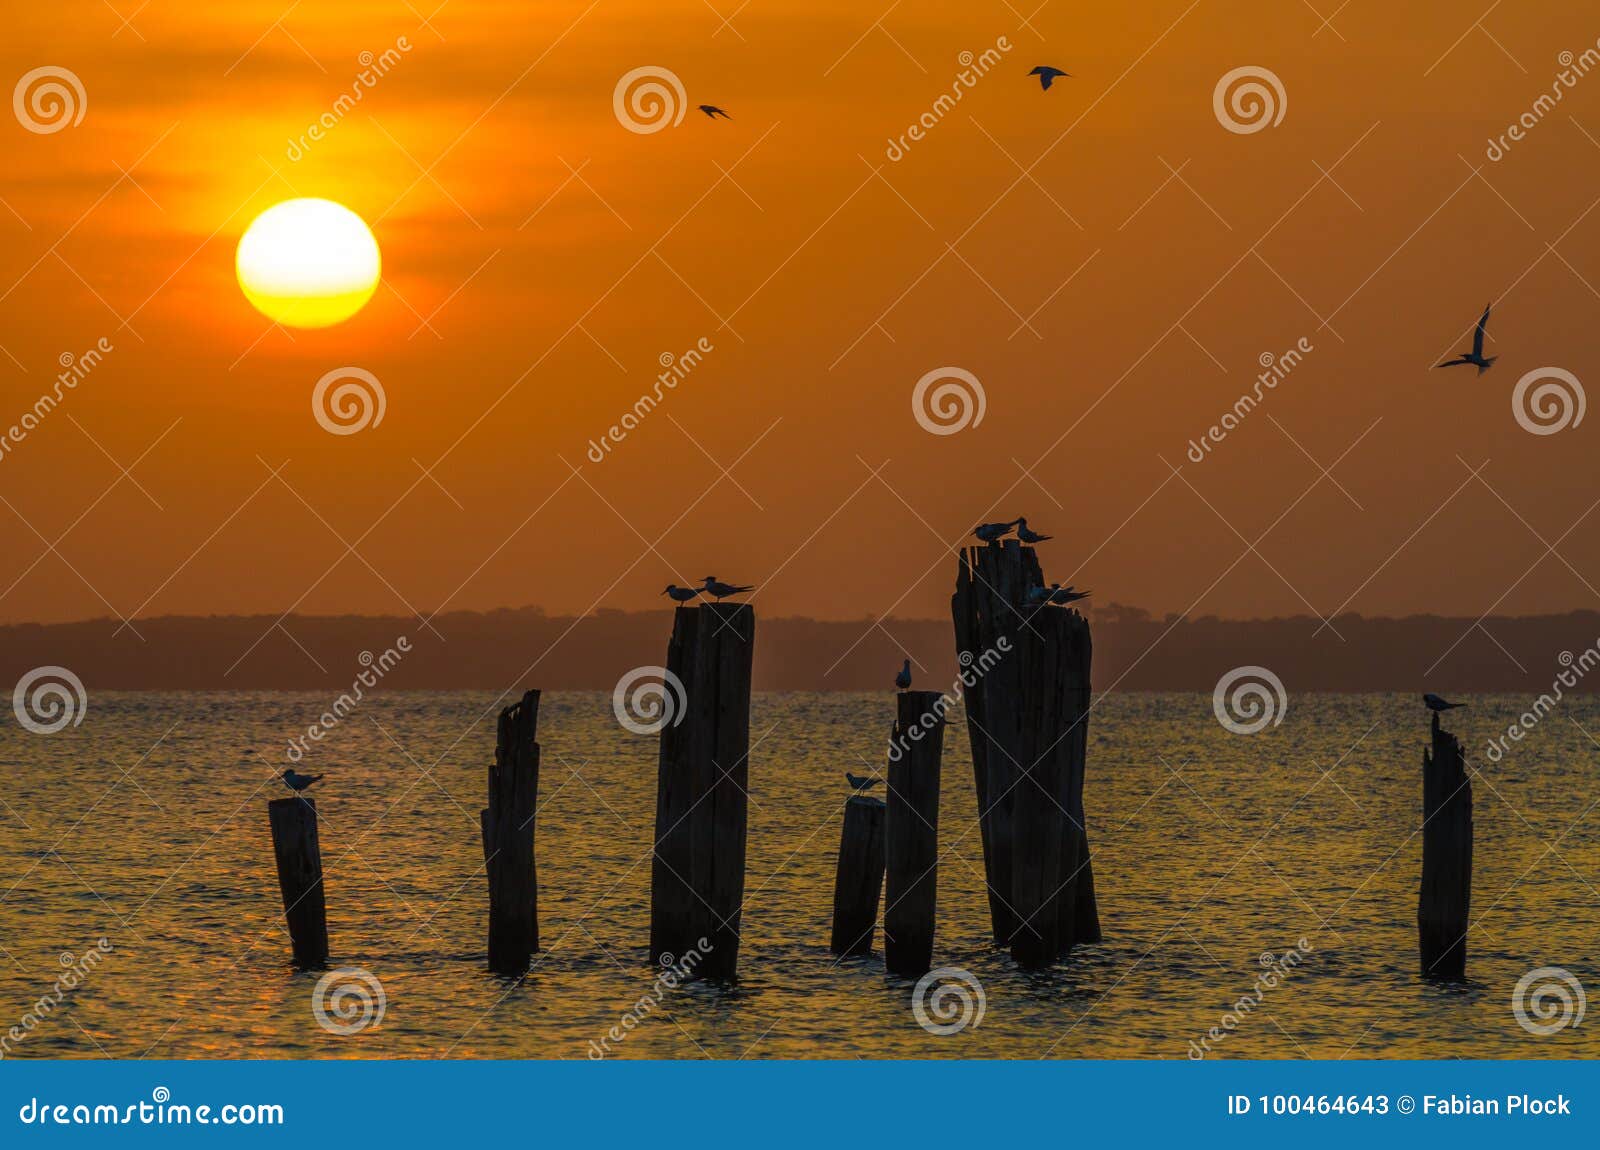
x,y
681,594
297,782
859,783
1475,356
1055,593
712,112
1047,75
990,532
1027,534
903,679
721,591
1436,704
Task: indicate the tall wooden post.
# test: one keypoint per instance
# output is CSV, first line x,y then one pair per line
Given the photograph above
x,y
697,872
1445,900
858,883
299,856
911,833
508,850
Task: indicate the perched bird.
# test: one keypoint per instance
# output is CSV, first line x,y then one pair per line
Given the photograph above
x,y
681,594
1047,75
712,112
1055,593
723,590
297,782
860,783
903,679
1475,356
1027,534
1436,704
989,532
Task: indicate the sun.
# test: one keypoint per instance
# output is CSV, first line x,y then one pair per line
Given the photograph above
x,y
308,263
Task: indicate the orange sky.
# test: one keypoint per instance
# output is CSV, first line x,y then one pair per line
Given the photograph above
x,y
524,307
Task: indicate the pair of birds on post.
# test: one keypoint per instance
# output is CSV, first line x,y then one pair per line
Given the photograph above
x,y
714,588
994,532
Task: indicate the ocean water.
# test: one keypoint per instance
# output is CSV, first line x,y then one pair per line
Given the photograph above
x,y
1214,853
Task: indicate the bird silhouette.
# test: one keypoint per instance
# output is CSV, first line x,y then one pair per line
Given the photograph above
x,y
1055,593
903,679
1027,535
1475,356
681,594
860,783
297,782
721,591
1436,704
989,532
1047,75
712,112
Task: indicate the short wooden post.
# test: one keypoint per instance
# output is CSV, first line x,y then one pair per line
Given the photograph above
x,y
697,872
1444,903
858,883
294,843
911,833
507,826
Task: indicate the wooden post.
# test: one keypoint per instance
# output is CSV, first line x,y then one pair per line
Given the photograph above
x,y
1444,903
507,826
294,842
697,873
858,884
911,833
1026,673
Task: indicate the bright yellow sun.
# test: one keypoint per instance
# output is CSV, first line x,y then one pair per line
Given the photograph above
x,y
308,263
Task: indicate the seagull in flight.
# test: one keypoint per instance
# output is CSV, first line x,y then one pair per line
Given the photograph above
x,y
681,594
1047,75
903,679
297,782
860,784
990,532
712,112
1475,356
1027,534
1436,704
721,591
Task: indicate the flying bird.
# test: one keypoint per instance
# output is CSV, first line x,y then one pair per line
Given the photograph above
x,y
859,783
1475,356
721,591
1027,534
1047,75
1436,704
989,532
903,679
712,112
681,594
297,782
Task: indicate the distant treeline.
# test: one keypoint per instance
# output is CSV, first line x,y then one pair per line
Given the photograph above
x,y
1133,651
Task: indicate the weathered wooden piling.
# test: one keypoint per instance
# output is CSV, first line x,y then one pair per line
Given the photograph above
x,y
1026,680
858,883
507,824
1445,900
911,832
697,872
299,856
